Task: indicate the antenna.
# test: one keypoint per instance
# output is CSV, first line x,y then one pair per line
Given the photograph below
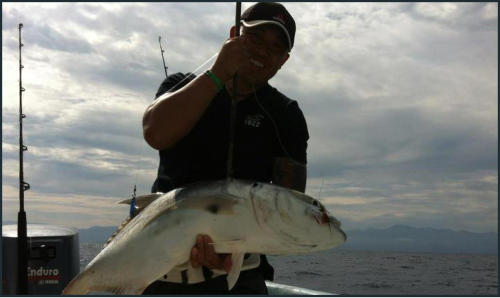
x,y
22,245
162,58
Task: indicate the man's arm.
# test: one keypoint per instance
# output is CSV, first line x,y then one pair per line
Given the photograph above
x,y
290,173
171,116
290,169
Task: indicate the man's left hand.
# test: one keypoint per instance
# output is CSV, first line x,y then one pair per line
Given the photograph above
x,y
203,254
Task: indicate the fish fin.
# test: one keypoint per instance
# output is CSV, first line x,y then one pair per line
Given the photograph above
x,y
236,249
140,202
129,291
143,201
120,228
234,273
140,290
228,246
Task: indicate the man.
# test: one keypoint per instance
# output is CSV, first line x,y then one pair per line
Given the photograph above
x,y
190,124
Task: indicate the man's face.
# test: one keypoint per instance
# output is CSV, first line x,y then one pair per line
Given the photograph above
x,y
267,49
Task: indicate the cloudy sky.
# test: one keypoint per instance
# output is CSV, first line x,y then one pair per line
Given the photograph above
x,y
401,101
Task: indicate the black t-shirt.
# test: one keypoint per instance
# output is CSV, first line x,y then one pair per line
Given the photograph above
x,y
268,125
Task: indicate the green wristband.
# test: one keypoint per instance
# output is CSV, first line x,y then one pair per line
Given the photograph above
x,y
215,79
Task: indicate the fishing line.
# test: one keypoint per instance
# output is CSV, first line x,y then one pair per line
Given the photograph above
x,y
193,72
232,112
321,187
273,122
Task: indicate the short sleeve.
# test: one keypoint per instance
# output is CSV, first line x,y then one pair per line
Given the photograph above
x,y
174,82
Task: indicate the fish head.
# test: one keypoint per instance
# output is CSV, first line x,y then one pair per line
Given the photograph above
x,y
299,220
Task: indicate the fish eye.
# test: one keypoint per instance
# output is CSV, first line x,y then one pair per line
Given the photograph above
x,y
315,203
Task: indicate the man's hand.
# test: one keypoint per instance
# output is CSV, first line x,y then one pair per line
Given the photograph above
x,y
232,57
203,254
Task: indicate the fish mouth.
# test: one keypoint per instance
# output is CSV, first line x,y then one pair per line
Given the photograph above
x,y
335,224
294,241
322,217
343,234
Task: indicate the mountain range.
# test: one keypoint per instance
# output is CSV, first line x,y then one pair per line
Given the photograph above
x,y
411,239
396,238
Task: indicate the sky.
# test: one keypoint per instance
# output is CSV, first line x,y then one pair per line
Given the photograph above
x,y
401,102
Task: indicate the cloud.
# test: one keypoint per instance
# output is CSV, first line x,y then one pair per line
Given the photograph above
x,y
402,139
368,199
49,38
401,101
66,210
465,16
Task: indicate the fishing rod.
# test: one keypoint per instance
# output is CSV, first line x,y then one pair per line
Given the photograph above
x,y
233,102
162,58
229,165
22,243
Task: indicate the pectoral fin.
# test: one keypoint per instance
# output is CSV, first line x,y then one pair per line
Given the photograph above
x,y
234,273
228,247
135,291
237,251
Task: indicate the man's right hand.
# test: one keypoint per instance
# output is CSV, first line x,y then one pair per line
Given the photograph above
x,y
232,56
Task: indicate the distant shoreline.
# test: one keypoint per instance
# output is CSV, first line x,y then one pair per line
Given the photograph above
x,y
398,238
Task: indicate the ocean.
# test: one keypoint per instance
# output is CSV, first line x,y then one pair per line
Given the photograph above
x,y
352,272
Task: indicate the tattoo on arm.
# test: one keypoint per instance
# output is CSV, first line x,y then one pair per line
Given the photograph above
x,y
290,173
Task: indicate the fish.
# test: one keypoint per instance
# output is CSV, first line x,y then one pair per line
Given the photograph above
x,y
240,216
